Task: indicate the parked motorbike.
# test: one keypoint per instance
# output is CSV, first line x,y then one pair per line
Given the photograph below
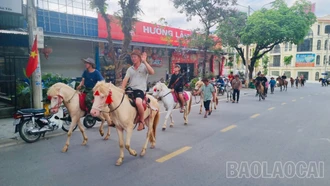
x,y
32,123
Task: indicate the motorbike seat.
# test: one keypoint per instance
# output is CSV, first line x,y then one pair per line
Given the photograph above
x,y
32,111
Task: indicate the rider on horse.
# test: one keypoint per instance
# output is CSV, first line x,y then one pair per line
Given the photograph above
x,y
176,85
137,76
262,79
90,77
284,77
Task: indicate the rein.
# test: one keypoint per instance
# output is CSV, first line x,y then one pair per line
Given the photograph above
x,y
122,99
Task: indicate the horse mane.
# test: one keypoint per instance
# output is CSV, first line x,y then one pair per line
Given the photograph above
x,y
102,87
163,86
54,90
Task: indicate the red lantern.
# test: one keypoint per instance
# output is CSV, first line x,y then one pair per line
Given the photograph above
x,y
46,51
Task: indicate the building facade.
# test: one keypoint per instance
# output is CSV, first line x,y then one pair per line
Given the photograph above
x,y
309,58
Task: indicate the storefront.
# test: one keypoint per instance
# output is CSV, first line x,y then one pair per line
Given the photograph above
x,y
188,63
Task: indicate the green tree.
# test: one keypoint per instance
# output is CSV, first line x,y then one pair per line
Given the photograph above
x,y
209,13
267,28
127,17
265,61
287,60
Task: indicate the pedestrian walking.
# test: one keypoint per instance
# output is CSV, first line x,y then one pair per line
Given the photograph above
x,y
272,83
208,95
237,85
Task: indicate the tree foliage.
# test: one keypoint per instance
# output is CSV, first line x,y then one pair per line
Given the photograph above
x,y
265,61
209,12
267,28
127,17
287,60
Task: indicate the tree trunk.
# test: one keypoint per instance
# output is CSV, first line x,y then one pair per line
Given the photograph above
x,y
250,72
112,55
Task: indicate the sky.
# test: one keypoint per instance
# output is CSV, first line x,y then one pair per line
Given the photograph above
x,y
156,9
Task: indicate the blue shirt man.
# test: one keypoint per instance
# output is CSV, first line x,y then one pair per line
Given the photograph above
x,y
272,82
89,78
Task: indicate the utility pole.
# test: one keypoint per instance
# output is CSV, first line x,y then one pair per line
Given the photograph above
x,y
247,58
36,76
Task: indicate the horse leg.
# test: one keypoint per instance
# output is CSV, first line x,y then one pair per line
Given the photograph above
x,y
101,127
172,121
121,145
149,134
109,121
129,131
185,114
200,108
81,128
169,111
72,125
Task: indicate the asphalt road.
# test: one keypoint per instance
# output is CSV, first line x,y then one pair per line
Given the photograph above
x,y
288,127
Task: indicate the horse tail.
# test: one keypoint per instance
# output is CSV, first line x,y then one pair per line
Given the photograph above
x,y
190,103
152,137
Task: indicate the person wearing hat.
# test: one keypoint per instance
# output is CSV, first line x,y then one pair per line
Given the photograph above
x,y
272,83
137,76
176,85
90,77
208,94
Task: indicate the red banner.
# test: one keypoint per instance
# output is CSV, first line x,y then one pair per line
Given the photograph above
x,y
143,32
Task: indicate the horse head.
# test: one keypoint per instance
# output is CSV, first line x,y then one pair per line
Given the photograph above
x,y
159,89
102,96
56,96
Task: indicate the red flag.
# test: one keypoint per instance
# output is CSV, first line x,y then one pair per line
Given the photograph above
x,y
33,59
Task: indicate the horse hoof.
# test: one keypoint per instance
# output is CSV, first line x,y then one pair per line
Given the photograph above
x,y
119,161
163,129
65,149
171,126
106,138
143,152
185,124
152,146
102,134
133,153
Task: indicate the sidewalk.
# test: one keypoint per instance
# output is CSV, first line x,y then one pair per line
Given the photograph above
x,y
7,129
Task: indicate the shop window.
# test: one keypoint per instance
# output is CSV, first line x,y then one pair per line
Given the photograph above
x,y
275,73
277,61
326,45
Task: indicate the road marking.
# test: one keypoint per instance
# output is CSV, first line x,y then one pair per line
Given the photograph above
x,y
173,154
228,128
254,116
283,103
294,100
271,108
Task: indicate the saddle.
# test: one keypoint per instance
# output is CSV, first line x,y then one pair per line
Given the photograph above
x,y
176,96
145,102
82,103
131,97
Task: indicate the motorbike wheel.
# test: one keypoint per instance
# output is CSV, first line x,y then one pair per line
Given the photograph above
x,y
66,126
89,121
25,135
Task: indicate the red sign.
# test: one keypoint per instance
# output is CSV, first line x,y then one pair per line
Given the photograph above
x,y
143,32
187,58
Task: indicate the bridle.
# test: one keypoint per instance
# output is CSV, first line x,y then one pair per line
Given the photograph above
x,y
110,94
61,99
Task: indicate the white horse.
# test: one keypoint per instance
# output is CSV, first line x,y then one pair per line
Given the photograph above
x,y
229,90
162,92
